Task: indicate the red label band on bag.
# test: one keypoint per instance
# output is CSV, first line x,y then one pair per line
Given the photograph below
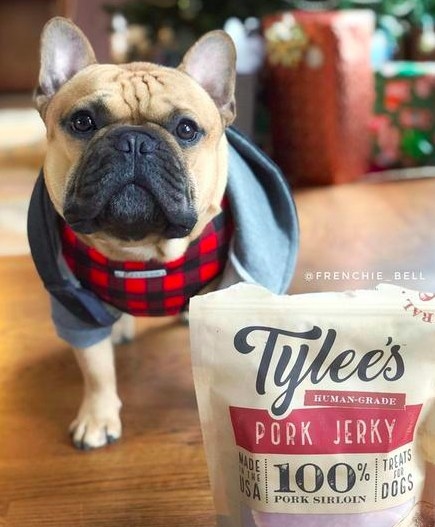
x,y
324,430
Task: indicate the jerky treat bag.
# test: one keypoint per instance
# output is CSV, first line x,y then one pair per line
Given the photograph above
x,y
317,410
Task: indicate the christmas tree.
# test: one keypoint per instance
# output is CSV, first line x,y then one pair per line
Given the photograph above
x,y
408,23
197,15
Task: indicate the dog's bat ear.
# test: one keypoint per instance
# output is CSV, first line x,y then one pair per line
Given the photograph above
x,y
64,51
212,63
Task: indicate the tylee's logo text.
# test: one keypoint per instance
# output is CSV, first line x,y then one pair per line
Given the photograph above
x,y
287,365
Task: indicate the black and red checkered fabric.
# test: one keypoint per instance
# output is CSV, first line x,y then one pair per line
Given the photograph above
x,y
166,288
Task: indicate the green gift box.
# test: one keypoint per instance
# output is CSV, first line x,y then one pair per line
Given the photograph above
x,y
403,124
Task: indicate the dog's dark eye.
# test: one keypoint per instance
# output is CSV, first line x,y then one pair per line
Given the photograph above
x,y
82,123
187,130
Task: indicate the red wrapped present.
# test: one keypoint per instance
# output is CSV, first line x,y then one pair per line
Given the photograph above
x,y
320,93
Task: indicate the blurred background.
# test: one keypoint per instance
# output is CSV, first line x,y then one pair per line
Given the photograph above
x,y
336,91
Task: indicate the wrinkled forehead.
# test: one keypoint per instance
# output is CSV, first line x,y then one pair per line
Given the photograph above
x,y
136,92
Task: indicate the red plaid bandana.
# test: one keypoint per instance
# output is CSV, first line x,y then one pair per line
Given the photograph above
x,y
151,288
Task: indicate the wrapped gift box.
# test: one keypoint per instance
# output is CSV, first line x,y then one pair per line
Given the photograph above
x,y
403,127
320,90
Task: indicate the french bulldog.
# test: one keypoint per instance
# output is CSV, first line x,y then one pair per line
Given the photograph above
x,y
137,208
136,165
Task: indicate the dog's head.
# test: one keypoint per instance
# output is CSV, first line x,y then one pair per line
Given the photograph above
x,y
136,154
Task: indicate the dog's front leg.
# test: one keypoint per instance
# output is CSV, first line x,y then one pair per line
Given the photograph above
x,y
97,422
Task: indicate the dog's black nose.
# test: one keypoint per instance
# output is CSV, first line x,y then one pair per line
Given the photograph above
x,y
134,141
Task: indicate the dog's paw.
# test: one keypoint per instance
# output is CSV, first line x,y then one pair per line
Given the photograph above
x,y
123,330
97,423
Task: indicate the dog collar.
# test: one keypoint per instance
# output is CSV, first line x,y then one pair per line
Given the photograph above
x,y
151,288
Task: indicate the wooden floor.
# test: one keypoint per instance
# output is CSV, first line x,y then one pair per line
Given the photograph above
x,y
360,234
156,475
